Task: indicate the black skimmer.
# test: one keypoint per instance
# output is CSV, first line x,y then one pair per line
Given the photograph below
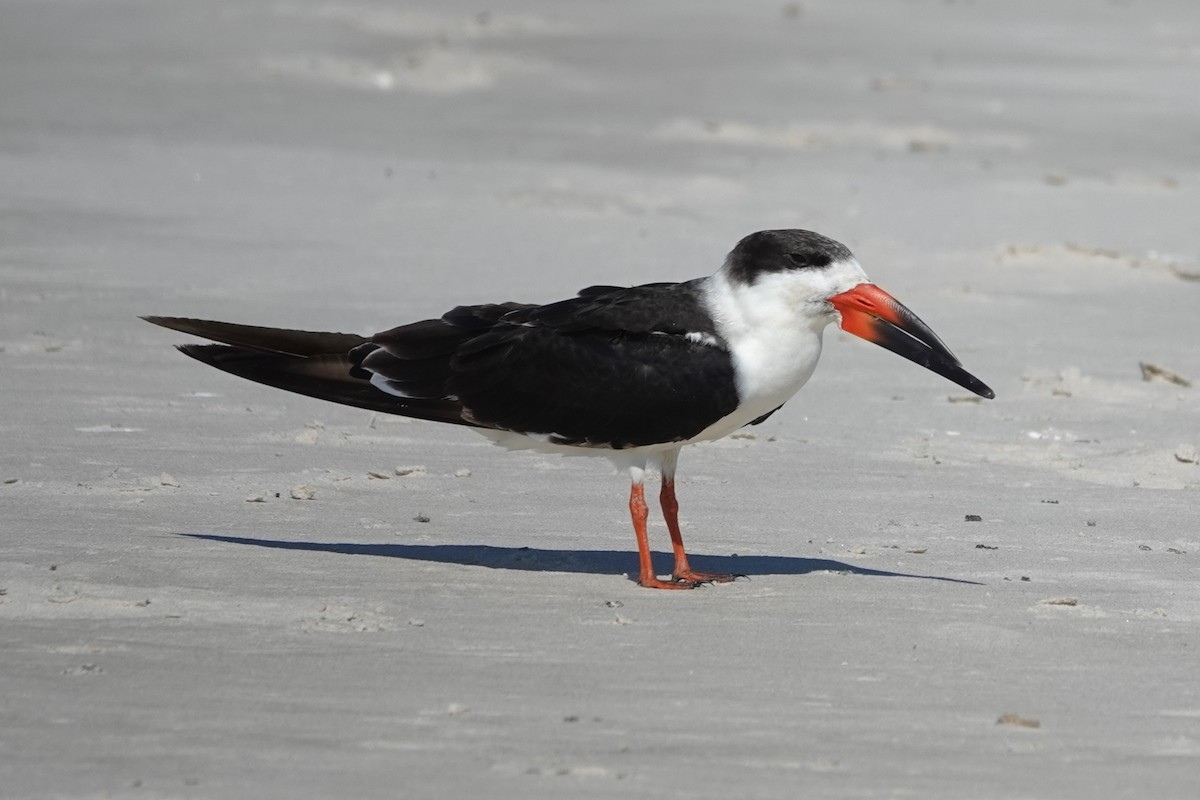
x,y
633,374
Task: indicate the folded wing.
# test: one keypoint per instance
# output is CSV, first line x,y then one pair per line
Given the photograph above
x,y
611,368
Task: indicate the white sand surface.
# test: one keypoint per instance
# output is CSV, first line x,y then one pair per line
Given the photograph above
x,y
1025,175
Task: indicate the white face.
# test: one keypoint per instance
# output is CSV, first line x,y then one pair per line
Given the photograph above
x,y
795,297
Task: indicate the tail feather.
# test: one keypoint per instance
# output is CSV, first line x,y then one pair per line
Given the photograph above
x,y
327,366
255,337
325,377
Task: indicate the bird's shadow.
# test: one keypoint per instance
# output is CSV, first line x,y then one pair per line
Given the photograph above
x,y
594,562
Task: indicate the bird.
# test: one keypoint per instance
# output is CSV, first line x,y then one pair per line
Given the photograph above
x,y
633,374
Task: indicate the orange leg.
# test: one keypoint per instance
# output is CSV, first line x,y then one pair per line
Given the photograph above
x,y
646,577
683,572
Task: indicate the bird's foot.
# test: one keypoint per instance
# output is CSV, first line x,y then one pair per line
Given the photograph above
x,y
675,583
692,576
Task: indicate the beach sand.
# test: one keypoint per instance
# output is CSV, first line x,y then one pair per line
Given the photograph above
x,y
212,589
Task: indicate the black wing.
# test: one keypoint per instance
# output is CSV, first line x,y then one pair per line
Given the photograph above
x,y
612,367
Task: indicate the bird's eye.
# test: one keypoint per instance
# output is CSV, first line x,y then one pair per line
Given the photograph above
x,y
809,260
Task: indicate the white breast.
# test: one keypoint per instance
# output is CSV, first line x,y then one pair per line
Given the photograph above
x,y
773,330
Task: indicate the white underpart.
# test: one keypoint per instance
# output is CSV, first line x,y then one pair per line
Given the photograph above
x,y
660,457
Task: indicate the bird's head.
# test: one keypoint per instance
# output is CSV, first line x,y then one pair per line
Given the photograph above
x,y
821,278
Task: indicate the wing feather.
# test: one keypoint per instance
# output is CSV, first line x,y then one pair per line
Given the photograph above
x,y
612,367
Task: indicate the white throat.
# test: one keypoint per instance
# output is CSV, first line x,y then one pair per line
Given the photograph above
x,y
773,329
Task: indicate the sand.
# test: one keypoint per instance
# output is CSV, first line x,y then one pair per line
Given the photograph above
x,y
211,589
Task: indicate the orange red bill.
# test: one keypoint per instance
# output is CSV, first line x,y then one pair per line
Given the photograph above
x,y
872,314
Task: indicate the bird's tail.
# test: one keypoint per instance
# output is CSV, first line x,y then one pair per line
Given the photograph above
x,y
327,366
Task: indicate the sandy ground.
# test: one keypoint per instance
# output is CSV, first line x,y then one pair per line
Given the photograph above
x,y
1025,175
